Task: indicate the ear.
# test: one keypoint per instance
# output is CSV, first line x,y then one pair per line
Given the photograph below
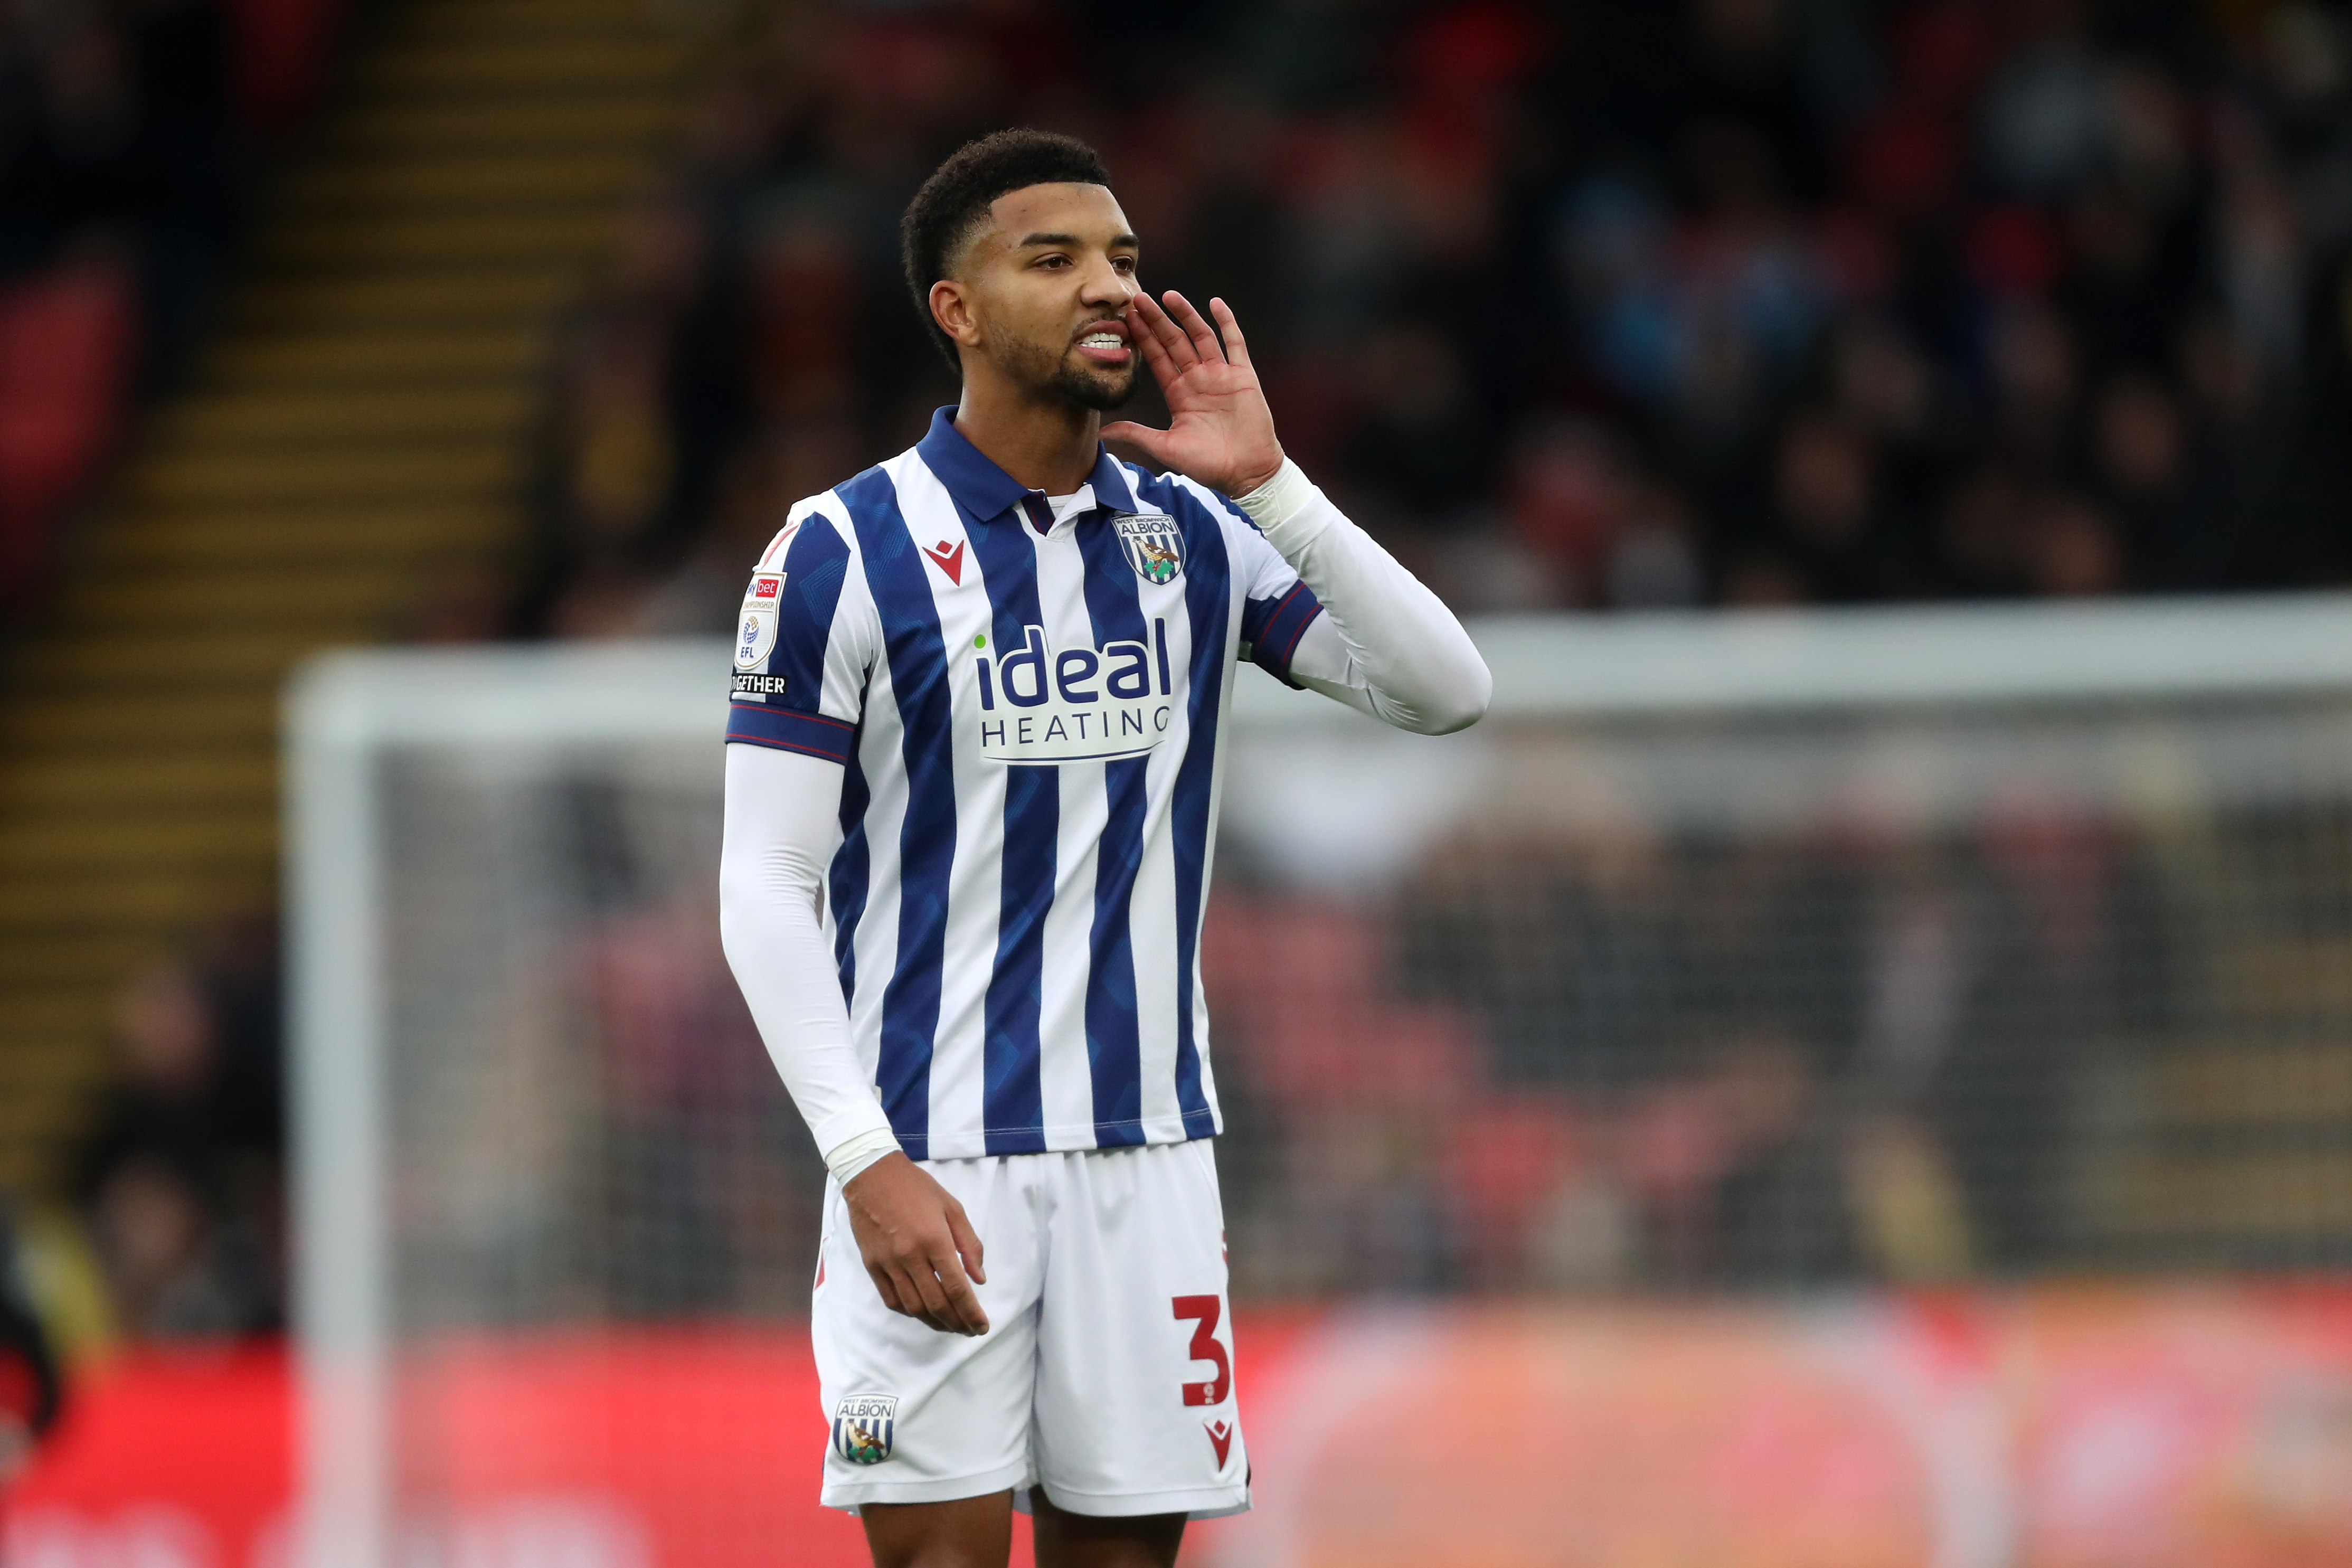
x,y
952,308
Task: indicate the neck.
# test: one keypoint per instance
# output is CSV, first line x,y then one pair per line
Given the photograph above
x,y
1045,442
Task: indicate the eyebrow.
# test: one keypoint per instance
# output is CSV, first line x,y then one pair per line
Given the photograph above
x,y
1118,241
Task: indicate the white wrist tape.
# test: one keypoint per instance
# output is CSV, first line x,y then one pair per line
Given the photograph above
x,y
1280,499
845,1160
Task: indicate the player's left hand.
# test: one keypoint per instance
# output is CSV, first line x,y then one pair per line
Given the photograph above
x,y
1219,430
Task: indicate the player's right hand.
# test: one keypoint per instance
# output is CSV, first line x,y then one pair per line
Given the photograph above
x,y
918,1244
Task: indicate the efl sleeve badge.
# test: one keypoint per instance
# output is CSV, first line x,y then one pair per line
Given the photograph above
x,y
755,631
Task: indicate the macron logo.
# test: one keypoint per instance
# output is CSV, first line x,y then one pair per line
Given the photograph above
x,y
1221,1439
948,558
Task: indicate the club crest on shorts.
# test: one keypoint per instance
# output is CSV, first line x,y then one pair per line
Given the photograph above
x,y
863,1426
1154,545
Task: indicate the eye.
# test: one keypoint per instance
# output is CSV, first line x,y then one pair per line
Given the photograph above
x,y
1124,264
1053,261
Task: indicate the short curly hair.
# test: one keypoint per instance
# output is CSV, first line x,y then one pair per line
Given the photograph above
x,y
941,219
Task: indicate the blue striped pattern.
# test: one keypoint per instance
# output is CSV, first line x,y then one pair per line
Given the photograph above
x,y
896,588
1207,598
852,875
918,684
1011,1095
1273,627
1114,1043
786,731
815,566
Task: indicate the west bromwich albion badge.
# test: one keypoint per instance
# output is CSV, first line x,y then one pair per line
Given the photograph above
x,y
1154,546
863,1425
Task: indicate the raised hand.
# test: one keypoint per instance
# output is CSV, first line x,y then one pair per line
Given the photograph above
x,y
1219,430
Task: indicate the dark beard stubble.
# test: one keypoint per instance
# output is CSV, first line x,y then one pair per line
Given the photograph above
x,y
1036,367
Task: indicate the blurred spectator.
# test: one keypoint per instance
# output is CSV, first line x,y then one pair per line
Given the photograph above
x,y
1741,300
180,1176
681,1063
127,132
1624,1055
31,1389
65,351
1660,1062
2074,551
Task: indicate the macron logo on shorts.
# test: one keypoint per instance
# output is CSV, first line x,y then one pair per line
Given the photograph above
x,y
863,1425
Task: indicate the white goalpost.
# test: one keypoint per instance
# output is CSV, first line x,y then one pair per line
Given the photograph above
x,y
2062,895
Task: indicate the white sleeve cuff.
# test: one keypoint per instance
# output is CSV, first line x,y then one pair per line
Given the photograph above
x,y
845,1161
1278,500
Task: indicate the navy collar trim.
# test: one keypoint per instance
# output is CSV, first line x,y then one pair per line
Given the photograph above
x,y
987,491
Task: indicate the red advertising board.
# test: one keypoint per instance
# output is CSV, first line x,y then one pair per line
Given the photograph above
x,y
2059,1428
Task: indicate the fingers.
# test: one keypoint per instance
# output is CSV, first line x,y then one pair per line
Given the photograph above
x,y
1142,437
900,1286
1146,337
959,1303
967,1242
928,1284
887,1288
914,1238
1237,350
934,1293
1202,336
1165,347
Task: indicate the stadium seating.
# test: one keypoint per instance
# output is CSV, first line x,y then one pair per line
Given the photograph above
x,y
350,443
65,347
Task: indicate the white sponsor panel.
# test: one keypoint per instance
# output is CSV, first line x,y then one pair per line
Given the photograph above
x,y
1041,705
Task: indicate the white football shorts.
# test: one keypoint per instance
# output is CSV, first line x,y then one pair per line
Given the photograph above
x,y
1107,1372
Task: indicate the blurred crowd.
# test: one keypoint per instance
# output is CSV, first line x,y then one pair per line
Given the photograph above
x,y
1735,302
129,131
179,1176
1637,1058
1635,1053
1576,306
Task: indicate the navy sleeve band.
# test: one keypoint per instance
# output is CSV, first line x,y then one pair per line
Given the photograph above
x,y
1273,626
755,723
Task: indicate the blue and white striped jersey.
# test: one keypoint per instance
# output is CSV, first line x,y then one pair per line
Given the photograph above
x,y
1029,712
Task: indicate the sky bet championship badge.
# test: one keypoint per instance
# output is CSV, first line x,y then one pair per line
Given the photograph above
x,y
755,633
863,1426
1154,547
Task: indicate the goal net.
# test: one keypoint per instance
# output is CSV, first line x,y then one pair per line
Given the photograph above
x,y
1728,955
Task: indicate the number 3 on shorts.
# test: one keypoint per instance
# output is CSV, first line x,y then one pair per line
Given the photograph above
x,y
1205,1310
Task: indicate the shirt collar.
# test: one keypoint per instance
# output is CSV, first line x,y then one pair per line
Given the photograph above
x,y
1114,486
986,491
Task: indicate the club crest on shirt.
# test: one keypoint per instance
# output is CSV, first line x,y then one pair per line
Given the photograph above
x,y
863,1425
1154,546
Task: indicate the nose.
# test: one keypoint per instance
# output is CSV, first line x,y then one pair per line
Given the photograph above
x,y
1105,284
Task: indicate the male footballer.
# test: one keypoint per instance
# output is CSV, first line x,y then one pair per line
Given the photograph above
x,y
980,693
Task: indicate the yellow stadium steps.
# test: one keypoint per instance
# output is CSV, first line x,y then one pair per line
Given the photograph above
x,y
358,428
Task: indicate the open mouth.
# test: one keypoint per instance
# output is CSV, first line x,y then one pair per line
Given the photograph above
x,y
1105,345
